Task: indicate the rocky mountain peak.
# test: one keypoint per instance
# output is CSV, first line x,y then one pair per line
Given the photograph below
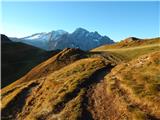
x,y
60,39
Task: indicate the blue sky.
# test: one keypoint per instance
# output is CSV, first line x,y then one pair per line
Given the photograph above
x,y
117,20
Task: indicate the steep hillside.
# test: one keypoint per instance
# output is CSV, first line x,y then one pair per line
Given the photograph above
x,y
65,57
60,91
134,89
55,88
18,59
78,85
131,47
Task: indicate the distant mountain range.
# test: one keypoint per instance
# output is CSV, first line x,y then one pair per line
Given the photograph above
x,y
60,39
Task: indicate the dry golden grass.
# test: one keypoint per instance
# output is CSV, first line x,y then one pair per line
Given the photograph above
x,y
56,62
71,84
132,49
50,96
138,82
129,42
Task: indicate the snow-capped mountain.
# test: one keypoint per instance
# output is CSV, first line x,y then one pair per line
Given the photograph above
x,y
61,39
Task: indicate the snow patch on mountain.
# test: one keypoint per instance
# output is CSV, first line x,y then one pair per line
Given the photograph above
x,y
34,37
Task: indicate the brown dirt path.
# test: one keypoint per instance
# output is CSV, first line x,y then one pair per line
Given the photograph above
x,y
101,105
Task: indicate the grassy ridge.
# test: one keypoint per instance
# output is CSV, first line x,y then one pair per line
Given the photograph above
x,y
131,49
64,87
76,85
130,42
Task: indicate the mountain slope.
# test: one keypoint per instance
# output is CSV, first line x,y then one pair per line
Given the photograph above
x,y
130,42
54,63
131,47
134,88
57,75
78,85
60,39
89,88
53,92
18,59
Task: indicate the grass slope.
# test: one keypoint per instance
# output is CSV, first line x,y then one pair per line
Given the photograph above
x,y
131,48
58,61
136,85
18,59
60,91
77,85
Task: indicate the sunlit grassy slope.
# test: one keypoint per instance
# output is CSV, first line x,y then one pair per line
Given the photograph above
x,y
54,63
104,84
131,47
137,85
61,90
